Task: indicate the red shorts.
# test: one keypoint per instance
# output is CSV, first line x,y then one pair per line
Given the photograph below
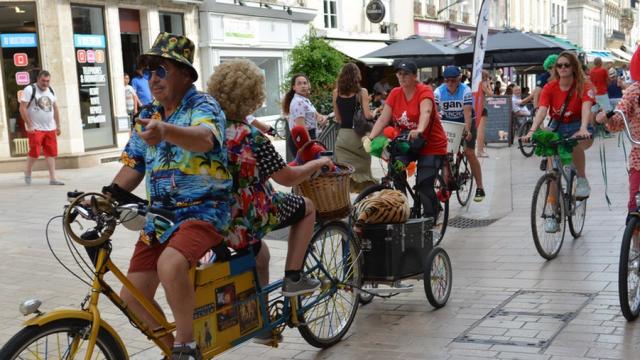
x,y
192,239
45,140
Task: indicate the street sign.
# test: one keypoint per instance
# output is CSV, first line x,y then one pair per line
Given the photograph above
x,y
375,11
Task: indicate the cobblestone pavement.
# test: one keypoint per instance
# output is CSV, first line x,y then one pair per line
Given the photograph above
x,y
505,300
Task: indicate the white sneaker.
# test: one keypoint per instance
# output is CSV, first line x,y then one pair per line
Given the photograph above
x,y
583,190
550,223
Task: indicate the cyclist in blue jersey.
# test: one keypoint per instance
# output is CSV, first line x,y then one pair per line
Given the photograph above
x,y
455,103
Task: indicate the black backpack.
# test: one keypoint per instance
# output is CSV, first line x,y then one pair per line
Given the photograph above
x,y
33,93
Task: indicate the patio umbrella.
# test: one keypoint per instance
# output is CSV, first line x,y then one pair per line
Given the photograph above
x,y
512,48
424,53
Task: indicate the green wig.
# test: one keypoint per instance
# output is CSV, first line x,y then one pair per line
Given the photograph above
x,y
550,61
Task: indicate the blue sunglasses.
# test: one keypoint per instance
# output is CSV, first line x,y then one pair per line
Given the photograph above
x,y
161,72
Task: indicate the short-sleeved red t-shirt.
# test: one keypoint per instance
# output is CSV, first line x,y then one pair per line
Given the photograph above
x,y
406,115
553,97
599,78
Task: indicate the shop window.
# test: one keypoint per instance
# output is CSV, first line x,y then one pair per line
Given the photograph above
x,y
171,23
330,14
19,66
271,69
91,54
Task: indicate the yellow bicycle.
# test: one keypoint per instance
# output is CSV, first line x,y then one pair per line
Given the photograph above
x,y
231,307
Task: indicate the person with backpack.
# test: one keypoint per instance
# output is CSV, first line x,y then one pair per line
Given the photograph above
x,y
39,109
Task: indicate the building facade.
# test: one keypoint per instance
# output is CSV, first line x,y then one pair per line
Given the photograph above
x,y
263,32
87,46
454,19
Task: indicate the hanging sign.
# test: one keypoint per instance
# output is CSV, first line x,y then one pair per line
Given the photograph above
x,y
375,11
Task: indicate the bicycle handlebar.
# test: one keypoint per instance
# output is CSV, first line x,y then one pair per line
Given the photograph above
x,y
627,128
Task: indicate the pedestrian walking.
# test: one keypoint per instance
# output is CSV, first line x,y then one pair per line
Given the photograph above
x,y
485,87
600,80
39,109
348,97
141,85
130,96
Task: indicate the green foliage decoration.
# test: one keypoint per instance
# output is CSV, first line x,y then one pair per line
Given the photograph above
x,y
317,59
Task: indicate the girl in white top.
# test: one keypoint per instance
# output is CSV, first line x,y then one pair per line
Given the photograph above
x,y
300,110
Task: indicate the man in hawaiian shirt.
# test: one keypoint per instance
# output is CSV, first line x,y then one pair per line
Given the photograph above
x,y
179,147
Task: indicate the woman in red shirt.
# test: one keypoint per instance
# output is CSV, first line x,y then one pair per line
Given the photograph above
x,y
568,80
410,107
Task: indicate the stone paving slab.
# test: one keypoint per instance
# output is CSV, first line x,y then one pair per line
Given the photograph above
x,y
490,265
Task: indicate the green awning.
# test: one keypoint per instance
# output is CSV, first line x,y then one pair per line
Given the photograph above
x,y
564,42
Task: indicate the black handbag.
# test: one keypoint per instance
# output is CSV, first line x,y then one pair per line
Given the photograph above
x,y
361,126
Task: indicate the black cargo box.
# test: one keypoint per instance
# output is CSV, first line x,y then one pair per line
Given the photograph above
x,y
395,251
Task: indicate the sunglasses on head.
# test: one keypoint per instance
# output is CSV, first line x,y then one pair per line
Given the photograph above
x,y
563,65
160,71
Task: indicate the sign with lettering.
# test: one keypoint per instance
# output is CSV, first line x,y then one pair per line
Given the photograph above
x,y
20,59
23,78
240,31
93,78
375,11
89,41
18,40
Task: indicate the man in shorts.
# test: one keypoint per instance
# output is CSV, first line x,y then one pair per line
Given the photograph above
x,y
455,103
39,109
179,149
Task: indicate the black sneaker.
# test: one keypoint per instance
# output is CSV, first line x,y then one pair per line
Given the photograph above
x,y
543,164
479,195
185,352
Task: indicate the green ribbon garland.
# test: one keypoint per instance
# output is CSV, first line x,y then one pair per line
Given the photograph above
x,y
545,147
601,135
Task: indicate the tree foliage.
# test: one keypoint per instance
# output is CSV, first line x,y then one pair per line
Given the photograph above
x,y
314,57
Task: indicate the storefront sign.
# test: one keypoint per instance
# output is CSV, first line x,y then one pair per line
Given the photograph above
x,y
375,11
23,78
28,40
89,41
430,30
20,59
239,31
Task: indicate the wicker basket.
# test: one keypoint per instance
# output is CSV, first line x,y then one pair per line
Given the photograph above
x,y
329,192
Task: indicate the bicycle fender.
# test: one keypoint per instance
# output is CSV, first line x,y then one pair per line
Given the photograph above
x,y
46,318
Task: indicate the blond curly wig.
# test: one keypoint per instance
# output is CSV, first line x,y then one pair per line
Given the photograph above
x,y
238,85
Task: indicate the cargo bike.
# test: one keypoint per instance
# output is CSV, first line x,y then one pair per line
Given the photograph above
x,y
231,307
390,253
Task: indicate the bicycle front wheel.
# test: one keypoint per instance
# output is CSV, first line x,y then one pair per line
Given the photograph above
x,y
465,182
577,209
629,270
442,218
61,339
547,217
333,258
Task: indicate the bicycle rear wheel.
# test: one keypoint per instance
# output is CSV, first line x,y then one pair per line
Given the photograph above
x,y
629,270
465,182
333,258
548,243
61,339
577,209
526,149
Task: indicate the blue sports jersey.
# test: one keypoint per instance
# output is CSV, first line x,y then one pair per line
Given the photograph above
x,y
451,106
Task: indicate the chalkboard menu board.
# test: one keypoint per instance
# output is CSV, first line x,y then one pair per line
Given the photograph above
x,y
498,126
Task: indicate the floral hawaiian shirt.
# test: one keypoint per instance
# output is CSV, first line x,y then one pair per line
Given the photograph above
x,y
252,161
193,185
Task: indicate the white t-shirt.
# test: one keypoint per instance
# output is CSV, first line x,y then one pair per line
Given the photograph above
x,y
516,103
301,107
129,93
41,108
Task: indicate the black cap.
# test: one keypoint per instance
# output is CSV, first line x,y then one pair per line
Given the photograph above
x,y
406,65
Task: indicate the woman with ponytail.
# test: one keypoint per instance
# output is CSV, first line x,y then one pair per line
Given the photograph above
x,y
300,110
